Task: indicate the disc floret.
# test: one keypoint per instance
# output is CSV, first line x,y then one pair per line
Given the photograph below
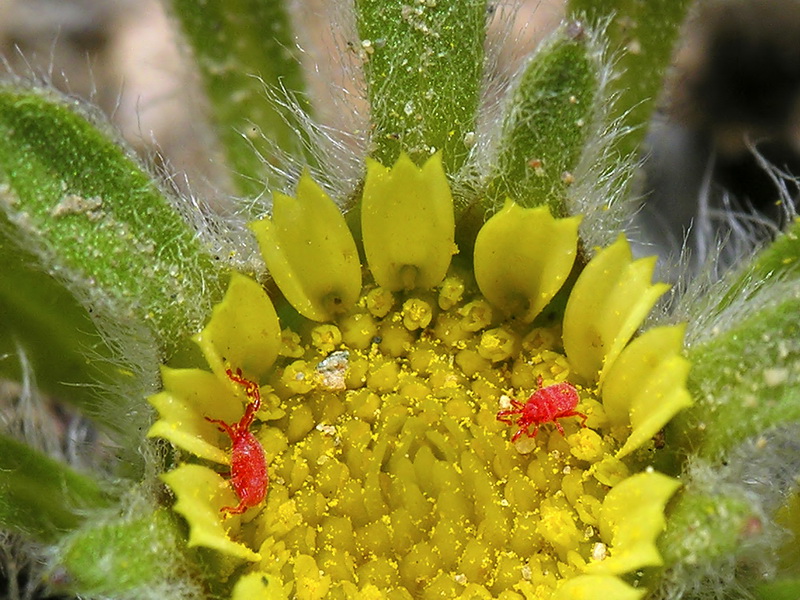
x,y
390,471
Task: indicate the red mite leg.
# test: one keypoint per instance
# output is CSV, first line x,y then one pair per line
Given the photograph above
x,y
251,391
222,426
575,413
249,477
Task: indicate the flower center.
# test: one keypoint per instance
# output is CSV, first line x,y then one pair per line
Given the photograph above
x,y
389,465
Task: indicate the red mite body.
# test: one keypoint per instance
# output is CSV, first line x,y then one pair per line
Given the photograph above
x,y
546,404
249,477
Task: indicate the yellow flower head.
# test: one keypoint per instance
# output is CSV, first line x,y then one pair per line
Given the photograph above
x,y
390,474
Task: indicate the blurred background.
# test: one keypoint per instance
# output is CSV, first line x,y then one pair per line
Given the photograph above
x,y
723,150
124,56
730,107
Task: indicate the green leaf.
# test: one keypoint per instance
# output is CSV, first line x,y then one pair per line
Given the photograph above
x,y
243,48
423,63
45,333
41,318
782,589
137,553
744,380
96,220
40,496
703,527
778,260
643,35
546,124
744,377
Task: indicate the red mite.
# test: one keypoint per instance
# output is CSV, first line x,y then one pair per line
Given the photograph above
x,y
544,405
249,476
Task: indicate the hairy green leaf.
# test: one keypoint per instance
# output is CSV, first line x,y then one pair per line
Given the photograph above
x,y
423,62
745,379
642,34
96,220
44,321
158,556
704,527
243,48
545,127
778,260
39,496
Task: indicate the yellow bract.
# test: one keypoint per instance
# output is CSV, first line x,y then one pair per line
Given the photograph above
x,y
310,252
592,587
646,386
631,519
390,473
201,494
610,300
408,223
523,257
188,396
259,586
243,332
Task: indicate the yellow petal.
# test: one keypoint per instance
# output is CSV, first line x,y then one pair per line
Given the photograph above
x,y
631,519
189,396
201,494
636,364
243,333
522,258
408,223
646,386
259,586
591,587
611,298
660,400
310,252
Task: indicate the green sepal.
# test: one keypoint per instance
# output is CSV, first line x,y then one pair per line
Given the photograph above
x,y
546,125
641,35
778,260
245,49
97,220
138,553
41,497
780,589
781,257
703,527
423,64
48,336
46,323
744,380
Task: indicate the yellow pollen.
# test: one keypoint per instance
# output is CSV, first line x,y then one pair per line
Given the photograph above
x,y
417,314
451,292
379,302
388,416
391,475
326,337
